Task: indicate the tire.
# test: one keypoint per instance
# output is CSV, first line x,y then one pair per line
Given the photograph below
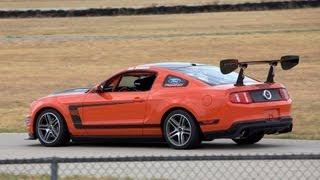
x,y
181,130
51,129
252,139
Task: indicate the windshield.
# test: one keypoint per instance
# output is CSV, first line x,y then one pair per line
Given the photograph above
x,y
211,75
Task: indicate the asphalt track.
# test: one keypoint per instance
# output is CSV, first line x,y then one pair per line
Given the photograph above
x,y
14,145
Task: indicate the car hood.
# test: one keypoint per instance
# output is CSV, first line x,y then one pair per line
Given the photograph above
x,y
71,91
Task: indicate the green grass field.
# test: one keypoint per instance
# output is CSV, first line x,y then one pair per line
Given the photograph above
x,y
42,55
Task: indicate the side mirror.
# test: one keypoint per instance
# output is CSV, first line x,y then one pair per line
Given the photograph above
x,y
107,89
98,89
101,88
228,65
288,62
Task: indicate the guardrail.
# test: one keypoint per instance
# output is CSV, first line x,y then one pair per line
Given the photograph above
x,y
289,166
179,9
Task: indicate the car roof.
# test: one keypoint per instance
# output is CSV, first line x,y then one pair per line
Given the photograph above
x,y
167,65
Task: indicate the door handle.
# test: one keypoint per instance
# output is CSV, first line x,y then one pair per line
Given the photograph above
x,y
138,99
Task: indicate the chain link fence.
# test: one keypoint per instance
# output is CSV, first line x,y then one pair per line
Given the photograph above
x,y
293,166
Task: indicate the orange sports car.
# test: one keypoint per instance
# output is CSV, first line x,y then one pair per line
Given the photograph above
x,y
181,103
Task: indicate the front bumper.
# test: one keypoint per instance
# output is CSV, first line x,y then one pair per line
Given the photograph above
x,y
267,126
31,135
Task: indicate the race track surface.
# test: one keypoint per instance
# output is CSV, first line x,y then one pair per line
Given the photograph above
x,y
14,145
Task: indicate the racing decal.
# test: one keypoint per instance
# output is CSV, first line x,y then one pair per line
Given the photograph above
x,y
174,81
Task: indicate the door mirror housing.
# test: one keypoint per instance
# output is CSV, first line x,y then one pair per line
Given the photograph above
x,y
101,89
107,89
97,89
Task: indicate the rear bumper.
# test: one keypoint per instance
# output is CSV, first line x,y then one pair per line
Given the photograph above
x,y
267,126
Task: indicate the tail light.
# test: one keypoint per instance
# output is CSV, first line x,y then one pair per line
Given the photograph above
x,y
240,97
284,94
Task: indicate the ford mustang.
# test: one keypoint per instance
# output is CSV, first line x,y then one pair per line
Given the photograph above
x,y
181,103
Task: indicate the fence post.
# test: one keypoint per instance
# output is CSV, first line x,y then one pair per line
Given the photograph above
x,y
54,169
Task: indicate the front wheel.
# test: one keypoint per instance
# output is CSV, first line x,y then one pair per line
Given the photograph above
x,y
252,139
181,131
51,129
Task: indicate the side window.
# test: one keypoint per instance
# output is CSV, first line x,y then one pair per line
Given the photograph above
x,y
174,81
111,84
136,82
128,81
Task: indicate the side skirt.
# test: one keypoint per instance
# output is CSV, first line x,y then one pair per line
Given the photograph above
x,y
118,139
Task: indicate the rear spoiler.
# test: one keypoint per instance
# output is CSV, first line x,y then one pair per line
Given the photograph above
x,y
229,65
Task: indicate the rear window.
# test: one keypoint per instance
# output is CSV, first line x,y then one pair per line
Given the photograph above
x,y
174,81
211,75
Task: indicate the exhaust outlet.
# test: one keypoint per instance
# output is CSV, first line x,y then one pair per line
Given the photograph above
x,y
243,134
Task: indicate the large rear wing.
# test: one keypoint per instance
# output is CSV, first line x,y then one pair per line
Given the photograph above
x,y
229,65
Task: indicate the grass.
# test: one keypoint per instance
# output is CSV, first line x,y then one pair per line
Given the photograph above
x,y
13,4
39,56
8,176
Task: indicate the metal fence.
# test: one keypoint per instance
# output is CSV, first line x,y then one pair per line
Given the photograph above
x,y
289,166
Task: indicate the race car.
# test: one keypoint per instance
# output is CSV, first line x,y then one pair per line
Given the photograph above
x,y
180,103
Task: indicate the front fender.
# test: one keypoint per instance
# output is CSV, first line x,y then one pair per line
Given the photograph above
x,y
50,103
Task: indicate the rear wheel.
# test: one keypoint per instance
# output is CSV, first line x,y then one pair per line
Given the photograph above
x,y
51,129
181,131
252,139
